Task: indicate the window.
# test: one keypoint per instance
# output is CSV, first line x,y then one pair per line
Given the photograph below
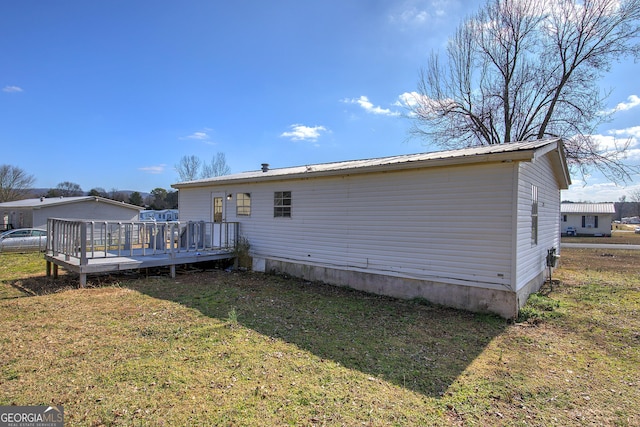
x,y
564,218
589,221
534,215
19,233
282,204
243,204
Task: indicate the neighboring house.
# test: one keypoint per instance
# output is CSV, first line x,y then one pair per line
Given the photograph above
x,y
466,228
588,219
34,212
159,215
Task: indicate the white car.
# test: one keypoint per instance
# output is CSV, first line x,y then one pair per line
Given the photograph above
x,y
23,239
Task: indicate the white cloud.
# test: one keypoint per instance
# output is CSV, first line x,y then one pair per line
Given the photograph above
x,y
599,189
411,100
608,142
632,102
304,133
12,89
364,102
414,13
201,136
596,193
618,138
411,15
633,131
422,104
154,170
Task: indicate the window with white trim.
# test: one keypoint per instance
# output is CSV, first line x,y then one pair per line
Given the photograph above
x,y
243,204
282,204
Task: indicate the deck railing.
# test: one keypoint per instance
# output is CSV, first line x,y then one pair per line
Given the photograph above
x,y
85,239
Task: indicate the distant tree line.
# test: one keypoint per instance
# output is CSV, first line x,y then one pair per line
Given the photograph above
x,y
158,198
16,184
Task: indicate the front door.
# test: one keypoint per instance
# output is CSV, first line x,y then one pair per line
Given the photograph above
x,y
217,207
218,216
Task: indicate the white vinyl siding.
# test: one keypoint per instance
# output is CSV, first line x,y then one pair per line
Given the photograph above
x,y
195,204
531,258
450,225
89,209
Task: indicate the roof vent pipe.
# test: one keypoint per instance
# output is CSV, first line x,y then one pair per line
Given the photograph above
x,y
265,167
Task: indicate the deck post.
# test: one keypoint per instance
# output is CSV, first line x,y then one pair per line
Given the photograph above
x,y
48,268
55,271
83,280
83,244
172,270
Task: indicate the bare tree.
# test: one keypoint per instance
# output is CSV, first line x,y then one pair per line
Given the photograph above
x,y
217,167
188,168
14,183
529,69
191,167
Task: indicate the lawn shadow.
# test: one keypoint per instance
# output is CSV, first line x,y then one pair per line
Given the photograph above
x,y
43,285
414,344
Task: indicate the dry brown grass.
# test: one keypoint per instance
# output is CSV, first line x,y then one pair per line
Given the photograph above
x,y
217,348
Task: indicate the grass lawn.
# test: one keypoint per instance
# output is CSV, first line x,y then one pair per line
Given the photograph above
x,y
220,348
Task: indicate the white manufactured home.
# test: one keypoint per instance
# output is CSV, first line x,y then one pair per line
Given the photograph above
x,y
466,228
35,212
159,215
587,219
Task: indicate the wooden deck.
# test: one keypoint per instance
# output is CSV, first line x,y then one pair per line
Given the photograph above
x,y
79,246
113,262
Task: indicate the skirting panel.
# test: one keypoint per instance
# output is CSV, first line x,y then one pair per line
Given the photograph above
x,y
476,299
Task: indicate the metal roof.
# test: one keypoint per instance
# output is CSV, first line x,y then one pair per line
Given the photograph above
x,y
587,208
56,201
527,150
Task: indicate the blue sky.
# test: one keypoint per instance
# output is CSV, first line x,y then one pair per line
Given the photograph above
x,y
113,93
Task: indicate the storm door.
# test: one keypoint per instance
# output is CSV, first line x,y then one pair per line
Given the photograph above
x,y
218,217
218,207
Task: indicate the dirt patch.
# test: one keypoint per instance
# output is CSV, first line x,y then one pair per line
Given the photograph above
x,y
613,260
